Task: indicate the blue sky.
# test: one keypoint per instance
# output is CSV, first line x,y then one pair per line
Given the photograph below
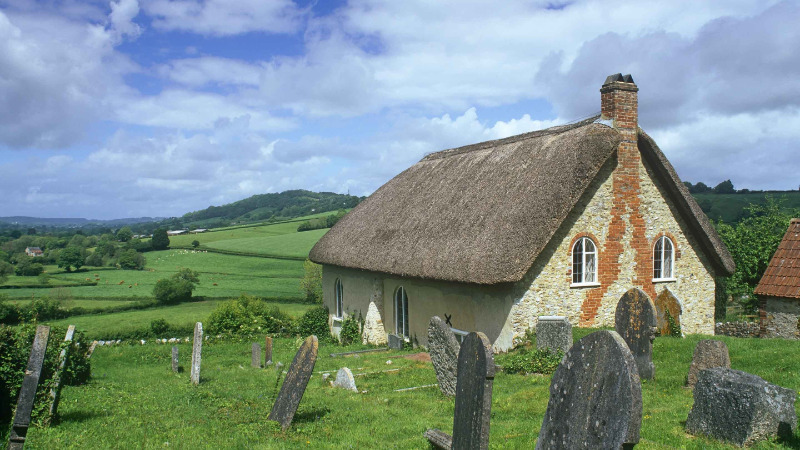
x,y
137,108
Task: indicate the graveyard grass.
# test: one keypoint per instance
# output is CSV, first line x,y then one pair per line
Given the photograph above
x,y
134,399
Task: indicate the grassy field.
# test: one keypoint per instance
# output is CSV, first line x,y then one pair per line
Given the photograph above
x,y
134,400
296,245
243,232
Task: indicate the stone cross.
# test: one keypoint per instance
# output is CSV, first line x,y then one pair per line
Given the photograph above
x,y
267,350
197,349
294,385
473,397
707,354
553,332
444,348
667,306
27,393
255,356
55,391
175,358
595,397
635,321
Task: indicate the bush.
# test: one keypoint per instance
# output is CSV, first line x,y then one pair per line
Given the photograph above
x,y
249,315
130,259
9,312
351,331
27,268
169,291
315,321
528,360
311,284
95,259
195,243
44,308
159,327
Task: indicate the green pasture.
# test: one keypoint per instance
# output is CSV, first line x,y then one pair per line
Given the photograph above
x,y
134,400
91,303
296,245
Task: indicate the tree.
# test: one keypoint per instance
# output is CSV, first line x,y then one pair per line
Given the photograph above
x,y
160,240
311,284
701,188
6,269
195,243
726,187
70,257
94,259
130,259
124,234
27,268
177,288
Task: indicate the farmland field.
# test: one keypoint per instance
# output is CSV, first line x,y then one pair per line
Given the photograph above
x,y
295,245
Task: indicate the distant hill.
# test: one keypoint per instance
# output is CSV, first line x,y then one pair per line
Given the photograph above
x,y
75,222
730,208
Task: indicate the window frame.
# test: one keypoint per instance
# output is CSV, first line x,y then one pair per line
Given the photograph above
x,y
661,279
401,302
583,283
338,296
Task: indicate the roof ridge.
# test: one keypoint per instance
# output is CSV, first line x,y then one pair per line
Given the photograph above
x,y
558,129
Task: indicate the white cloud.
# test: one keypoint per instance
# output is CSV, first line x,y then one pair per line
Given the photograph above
x,y
121,17
225,18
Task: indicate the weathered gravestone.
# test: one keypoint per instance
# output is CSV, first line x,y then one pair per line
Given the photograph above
x,y
27,393
595,397
345,380
741,408
707,354
91,349
635,321
175,367
294,385
197,350
255,356
668,308
473,397
395,342
267,350
554,332
443,347
55,391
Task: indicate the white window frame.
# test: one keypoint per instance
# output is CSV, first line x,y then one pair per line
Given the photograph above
x,y
592,255
401,323
460,334
658,273
338,295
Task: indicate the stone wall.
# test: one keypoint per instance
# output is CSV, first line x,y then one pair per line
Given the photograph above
x,y
738,329
779,317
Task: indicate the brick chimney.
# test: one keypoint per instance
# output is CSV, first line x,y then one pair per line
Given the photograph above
x,y
619,103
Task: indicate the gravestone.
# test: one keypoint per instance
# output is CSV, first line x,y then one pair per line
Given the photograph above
x,y
554,332
294,385
197,350
473,397
395,342
595,397
255,356
91,349
707,354
667,306
55,391
443,347
267,350
27,393
635,321
345,380
175,358
740,408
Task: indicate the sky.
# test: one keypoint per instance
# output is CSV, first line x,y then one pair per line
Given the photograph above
x,y
134,108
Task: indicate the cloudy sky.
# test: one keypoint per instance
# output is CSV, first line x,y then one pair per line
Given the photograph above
x,y
137,108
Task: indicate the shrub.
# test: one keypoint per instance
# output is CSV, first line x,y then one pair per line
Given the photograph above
x,y
159,327
95,259
315,321
9,312
130,259
169,291
249,315
27,268
195,243
351,330
311,284
528,360
44,308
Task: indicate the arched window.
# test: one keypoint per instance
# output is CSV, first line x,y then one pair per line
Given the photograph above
x,y
339,298
584,262
401,312
663,259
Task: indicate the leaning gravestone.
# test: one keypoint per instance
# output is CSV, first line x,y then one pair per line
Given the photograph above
x,y
345,380
267,350
707,354
595,397
175,358
27,393
473,409
197,350
294,385
741,408
91,349
635,321
443,347
667,306
255,356
55,391
554,332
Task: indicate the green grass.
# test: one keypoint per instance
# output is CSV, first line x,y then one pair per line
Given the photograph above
x,y
93,303
243,232
135,400
295,245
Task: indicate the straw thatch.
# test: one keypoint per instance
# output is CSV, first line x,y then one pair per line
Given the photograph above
x,y
481,213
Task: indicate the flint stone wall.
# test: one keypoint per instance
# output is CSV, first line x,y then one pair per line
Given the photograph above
x,y
738,329
780,318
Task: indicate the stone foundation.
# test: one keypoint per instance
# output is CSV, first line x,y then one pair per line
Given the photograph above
x,y
738,329
779,318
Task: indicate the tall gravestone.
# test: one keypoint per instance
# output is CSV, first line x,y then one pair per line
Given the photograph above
x,y
707,354
175,358
294,385
267,350
668,308
635,321
55,391
473,409
553,332
595,397
197,350
444,348
27,393
255,356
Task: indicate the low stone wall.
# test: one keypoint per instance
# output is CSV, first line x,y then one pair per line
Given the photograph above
x,y
738,329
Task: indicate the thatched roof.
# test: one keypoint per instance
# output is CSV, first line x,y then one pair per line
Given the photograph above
x,y
481,213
